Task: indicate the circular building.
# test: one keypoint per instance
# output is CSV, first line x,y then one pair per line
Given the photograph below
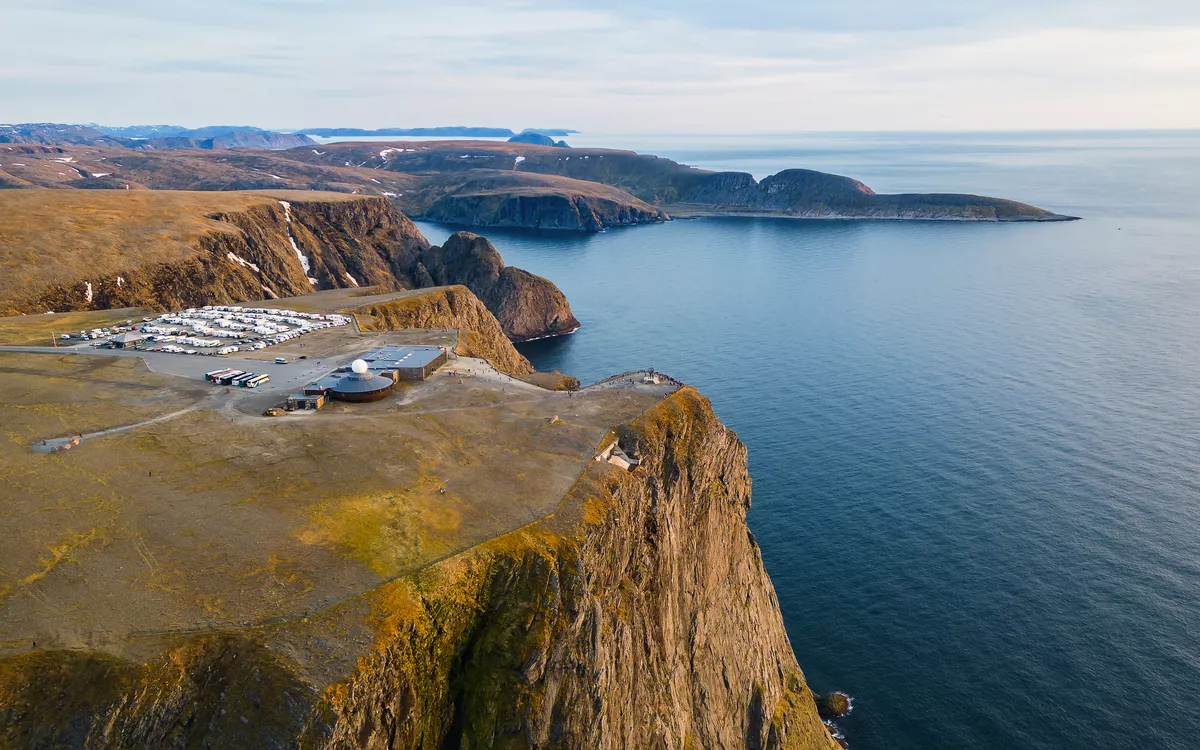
x,y
361,385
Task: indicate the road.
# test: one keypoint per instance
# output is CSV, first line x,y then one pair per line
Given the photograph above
x,y
287,378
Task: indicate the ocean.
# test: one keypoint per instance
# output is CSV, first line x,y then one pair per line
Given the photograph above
x,y
975,447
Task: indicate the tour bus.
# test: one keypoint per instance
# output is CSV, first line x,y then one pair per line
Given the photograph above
x,y
256,381
241,379
228,377
214,375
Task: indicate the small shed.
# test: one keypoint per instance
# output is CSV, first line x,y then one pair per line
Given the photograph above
x,y
304,401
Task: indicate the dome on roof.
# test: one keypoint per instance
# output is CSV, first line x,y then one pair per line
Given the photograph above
x,y
361,386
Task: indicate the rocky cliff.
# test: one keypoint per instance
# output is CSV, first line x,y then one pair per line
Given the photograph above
x,y
637,615
526,305
486,196
480,334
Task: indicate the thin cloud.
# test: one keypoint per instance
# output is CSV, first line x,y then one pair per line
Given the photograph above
x,y
698,66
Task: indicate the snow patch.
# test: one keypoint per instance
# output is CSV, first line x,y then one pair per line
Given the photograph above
x,y
519,160
64,159
88,294
318,153
349,278
377,182
101,174
242,261
303,260
383,154
120,281
287,215
392,195
277,177
269,292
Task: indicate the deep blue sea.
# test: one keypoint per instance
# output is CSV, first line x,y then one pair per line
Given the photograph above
x,y
975,447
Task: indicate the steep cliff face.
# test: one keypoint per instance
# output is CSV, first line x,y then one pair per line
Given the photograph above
x,y
542,210
509,197
480,334
269,246
526,305
638,615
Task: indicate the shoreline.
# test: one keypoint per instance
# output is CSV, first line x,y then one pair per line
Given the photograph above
x,y
696,211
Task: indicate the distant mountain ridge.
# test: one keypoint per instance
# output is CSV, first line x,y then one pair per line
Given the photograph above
x,y
460,131
173,131
151,137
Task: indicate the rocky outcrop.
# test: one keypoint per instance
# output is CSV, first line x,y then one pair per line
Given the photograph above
x,y
638,615
449,307
526,305
834,705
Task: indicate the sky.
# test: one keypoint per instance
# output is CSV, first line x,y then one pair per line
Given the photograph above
x,y
619,66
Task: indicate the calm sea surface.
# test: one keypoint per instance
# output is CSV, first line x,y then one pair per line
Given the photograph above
x,y
975,448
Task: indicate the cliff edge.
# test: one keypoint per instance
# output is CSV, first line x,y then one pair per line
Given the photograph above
x,y
633,610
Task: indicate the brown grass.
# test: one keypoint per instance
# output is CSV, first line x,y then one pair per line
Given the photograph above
x,y
49,236
43,330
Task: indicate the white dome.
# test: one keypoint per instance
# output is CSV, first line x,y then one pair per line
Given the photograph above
x,y
358,366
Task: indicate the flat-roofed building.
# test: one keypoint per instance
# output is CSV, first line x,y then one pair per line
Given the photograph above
x,y
303,401
409,362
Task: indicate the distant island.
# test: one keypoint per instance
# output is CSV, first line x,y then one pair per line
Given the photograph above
x,y
560,132
536,139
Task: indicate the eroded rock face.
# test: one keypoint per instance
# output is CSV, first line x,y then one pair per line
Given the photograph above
x,y
527,306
